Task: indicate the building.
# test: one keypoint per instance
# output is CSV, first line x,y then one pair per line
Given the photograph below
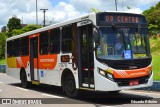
x,y
4,29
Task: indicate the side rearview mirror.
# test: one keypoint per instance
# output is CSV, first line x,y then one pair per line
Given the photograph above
x,y
95,35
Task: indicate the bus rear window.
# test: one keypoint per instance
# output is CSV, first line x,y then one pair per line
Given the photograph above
x,y
9,49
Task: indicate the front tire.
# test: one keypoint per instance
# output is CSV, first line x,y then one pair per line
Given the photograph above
x,y
70,87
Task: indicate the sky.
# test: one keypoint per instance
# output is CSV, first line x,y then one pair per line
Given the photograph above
x,y
61,10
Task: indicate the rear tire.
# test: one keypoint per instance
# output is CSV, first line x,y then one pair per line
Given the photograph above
x,y
24,82
70,87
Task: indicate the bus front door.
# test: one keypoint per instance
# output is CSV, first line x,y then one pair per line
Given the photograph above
x,y
86,60
34,59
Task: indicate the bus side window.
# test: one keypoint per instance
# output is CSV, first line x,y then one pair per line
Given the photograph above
x,y
9,49
55,41
44,43
24,46
67,39
16,47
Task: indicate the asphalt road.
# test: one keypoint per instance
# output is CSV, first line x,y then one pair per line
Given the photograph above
x,y
10,88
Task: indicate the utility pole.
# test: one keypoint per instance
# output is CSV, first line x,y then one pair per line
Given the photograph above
x,y
36,14
116,1
44,11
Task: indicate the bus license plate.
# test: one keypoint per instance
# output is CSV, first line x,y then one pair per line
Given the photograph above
x,y
135,82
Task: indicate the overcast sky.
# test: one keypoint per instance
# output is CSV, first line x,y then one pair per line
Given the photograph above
x,y
62,10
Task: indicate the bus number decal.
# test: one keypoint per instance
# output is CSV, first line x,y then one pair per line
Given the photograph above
x,y
65,58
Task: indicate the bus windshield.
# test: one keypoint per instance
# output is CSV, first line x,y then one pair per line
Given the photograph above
x,y
123,43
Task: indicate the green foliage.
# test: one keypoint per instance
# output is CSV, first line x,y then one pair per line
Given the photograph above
x,y
153,18
9,34
25,29
2,61
14,23
155,51
155,45
3,38
156,67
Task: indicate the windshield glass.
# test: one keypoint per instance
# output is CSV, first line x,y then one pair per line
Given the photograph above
x,y
123,43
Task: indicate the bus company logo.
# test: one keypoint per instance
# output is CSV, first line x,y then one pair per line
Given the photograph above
x,y
125,74
6,101
46,60
137,73
34,36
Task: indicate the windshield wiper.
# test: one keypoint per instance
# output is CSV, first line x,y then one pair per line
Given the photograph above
x,y
123,39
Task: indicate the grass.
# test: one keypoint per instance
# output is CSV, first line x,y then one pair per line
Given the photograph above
x,y
2,61
156,67
155,50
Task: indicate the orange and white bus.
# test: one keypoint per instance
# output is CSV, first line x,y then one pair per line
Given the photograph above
x,y
105,51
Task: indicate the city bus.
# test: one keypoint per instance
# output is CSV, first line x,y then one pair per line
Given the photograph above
x,y
105,51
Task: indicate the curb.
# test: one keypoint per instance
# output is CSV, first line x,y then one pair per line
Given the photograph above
x,y
154,87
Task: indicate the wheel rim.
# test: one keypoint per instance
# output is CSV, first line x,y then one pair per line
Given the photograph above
x,y
70,86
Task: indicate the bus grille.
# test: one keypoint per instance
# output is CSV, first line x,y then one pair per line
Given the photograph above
x,y
126,66
125,82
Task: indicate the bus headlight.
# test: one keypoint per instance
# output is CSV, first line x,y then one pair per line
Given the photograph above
x,y
102,72
106,74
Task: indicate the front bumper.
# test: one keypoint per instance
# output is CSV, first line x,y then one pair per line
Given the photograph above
x,y
104,84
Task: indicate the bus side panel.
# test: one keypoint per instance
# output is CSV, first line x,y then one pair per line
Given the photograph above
x,y
68,65
49,69
14,65
13,72
11,62
11,67
22,62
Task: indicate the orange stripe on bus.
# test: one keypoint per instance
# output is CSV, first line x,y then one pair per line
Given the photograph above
x,y
132,73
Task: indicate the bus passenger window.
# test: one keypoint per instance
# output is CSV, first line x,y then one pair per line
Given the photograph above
x,y
9,49
24,46
67,39
44,48
55,41
16,47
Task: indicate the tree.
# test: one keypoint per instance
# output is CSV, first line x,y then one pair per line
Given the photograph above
x,y
3,38
25,29
153,17
14,23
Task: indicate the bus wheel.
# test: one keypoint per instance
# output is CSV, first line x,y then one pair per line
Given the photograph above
x,y
70,87
24,82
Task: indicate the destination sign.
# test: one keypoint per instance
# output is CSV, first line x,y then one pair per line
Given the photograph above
x,y
121,18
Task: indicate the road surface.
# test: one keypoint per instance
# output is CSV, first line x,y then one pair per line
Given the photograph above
x,y
10,88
